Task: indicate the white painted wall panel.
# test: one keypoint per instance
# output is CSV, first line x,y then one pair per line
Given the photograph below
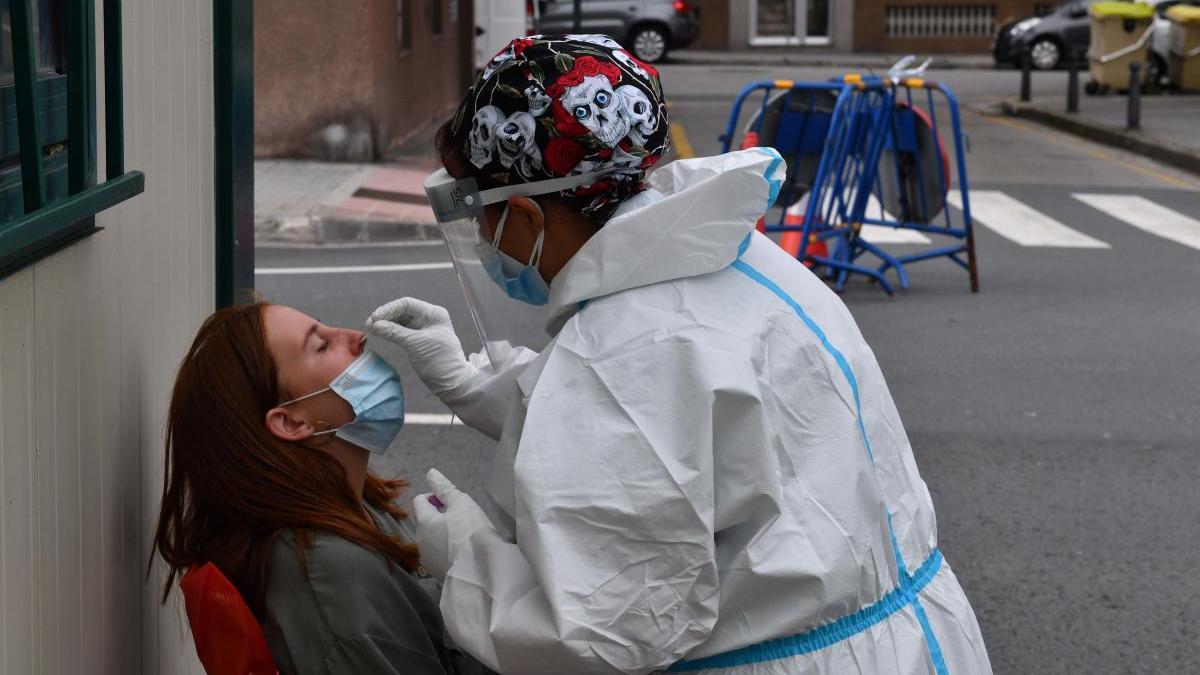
x,y
90,340
17,465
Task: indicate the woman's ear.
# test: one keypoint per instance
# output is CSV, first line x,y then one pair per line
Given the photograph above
x,y
527,213
286,426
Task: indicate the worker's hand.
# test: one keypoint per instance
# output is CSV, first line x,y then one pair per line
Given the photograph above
x,y
442,531
424,331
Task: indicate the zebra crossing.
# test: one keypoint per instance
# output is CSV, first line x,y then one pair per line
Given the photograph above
x,y
1147,216
1026,226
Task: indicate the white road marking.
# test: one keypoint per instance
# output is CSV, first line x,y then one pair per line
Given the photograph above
x,y
351,244
876,234
355,269
882,234
1020,223
430,418
1146,216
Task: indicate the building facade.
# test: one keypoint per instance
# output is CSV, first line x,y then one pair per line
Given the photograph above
x,y
102,287
775,24
921,26
359,72
887,26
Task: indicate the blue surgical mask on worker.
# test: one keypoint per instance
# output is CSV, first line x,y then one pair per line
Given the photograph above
x,y
372,388
519,280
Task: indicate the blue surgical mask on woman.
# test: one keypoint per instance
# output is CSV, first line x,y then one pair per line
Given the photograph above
x,y
520,281
372,388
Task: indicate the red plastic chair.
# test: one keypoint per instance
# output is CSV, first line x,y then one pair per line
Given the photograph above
x,y
228,639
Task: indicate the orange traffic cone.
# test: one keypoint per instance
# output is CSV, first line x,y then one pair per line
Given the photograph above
x,y
790,241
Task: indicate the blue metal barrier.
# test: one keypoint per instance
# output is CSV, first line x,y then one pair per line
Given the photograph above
x,y
846,141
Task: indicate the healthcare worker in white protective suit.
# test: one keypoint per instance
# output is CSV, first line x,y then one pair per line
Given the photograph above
x,y
703,470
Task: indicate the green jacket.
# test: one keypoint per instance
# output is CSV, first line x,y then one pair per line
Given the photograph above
x,y
353,613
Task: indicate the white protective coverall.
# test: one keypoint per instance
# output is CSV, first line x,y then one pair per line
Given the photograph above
x,y
704,469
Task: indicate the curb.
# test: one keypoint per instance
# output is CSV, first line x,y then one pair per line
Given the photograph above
x,y
314,203
1132,141
315,229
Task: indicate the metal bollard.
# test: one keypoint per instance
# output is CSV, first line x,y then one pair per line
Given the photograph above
x,y
1026,73
1134,112
1073,84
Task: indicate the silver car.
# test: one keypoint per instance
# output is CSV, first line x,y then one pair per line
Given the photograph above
x,y
647,28
1157,68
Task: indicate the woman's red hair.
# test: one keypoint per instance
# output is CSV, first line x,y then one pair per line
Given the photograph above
x,y
231,487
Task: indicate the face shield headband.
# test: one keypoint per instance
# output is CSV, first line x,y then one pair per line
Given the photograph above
x,y
458,199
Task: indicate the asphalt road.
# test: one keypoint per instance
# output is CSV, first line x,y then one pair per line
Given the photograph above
x,y
1055,415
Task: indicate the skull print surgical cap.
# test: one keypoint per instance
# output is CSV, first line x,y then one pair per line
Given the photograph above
x,y
548,107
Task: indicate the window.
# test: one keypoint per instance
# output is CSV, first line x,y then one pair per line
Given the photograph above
x,y
48,39
403,27
434,10
50,94
817,23
49,194
934,21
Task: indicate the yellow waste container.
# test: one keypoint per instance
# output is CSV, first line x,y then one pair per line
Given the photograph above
x,y
1120,36
1184,63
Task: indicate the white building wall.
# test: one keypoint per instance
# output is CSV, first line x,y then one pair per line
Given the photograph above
x,y
90,339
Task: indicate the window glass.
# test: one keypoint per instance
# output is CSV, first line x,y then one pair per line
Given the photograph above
x,y
6,58
1072,7
49,51
775,18
403,29
818,18
50,20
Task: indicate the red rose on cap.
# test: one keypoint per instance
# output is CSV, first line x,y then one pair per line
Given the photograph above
x,y
520,45
562,155
585,66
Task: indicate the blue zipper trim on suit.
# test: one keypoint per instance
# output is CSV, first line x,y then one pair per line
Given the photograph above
x,y
908,587
741,266
773,185
935,649
745,245
824,636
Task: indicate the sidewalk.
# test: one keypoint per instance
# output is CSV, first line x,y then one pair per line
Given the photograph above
x,y
793,56
1170,125
310,202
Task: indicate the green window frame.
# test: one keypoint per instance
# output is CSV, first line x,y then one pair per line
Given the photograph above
x,y
51,198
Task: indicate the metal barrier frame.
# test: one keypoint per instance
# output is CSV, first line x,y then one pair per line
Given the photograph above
x,y
863,121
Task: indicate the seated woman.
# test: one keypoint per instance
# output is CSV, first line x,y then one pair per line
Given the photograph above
x,y
273,418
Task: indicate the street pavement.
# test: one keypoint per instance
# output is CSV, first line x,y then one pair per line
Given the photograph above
x,y
1055,415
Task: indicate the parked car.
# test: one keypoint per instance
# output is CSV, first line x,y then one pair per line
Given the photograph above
x,y
1051,39
647,28
1160,40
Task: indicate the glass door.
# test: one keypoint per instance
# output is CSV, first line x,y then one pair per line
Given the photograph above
x,y
789,22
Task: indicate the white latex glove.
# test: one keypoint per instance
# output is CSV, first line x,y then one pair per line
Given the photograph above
x,y
424,331
440,533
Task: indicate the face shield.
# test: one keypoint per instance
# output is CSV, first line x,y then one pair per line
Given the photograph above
x,y
503,322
